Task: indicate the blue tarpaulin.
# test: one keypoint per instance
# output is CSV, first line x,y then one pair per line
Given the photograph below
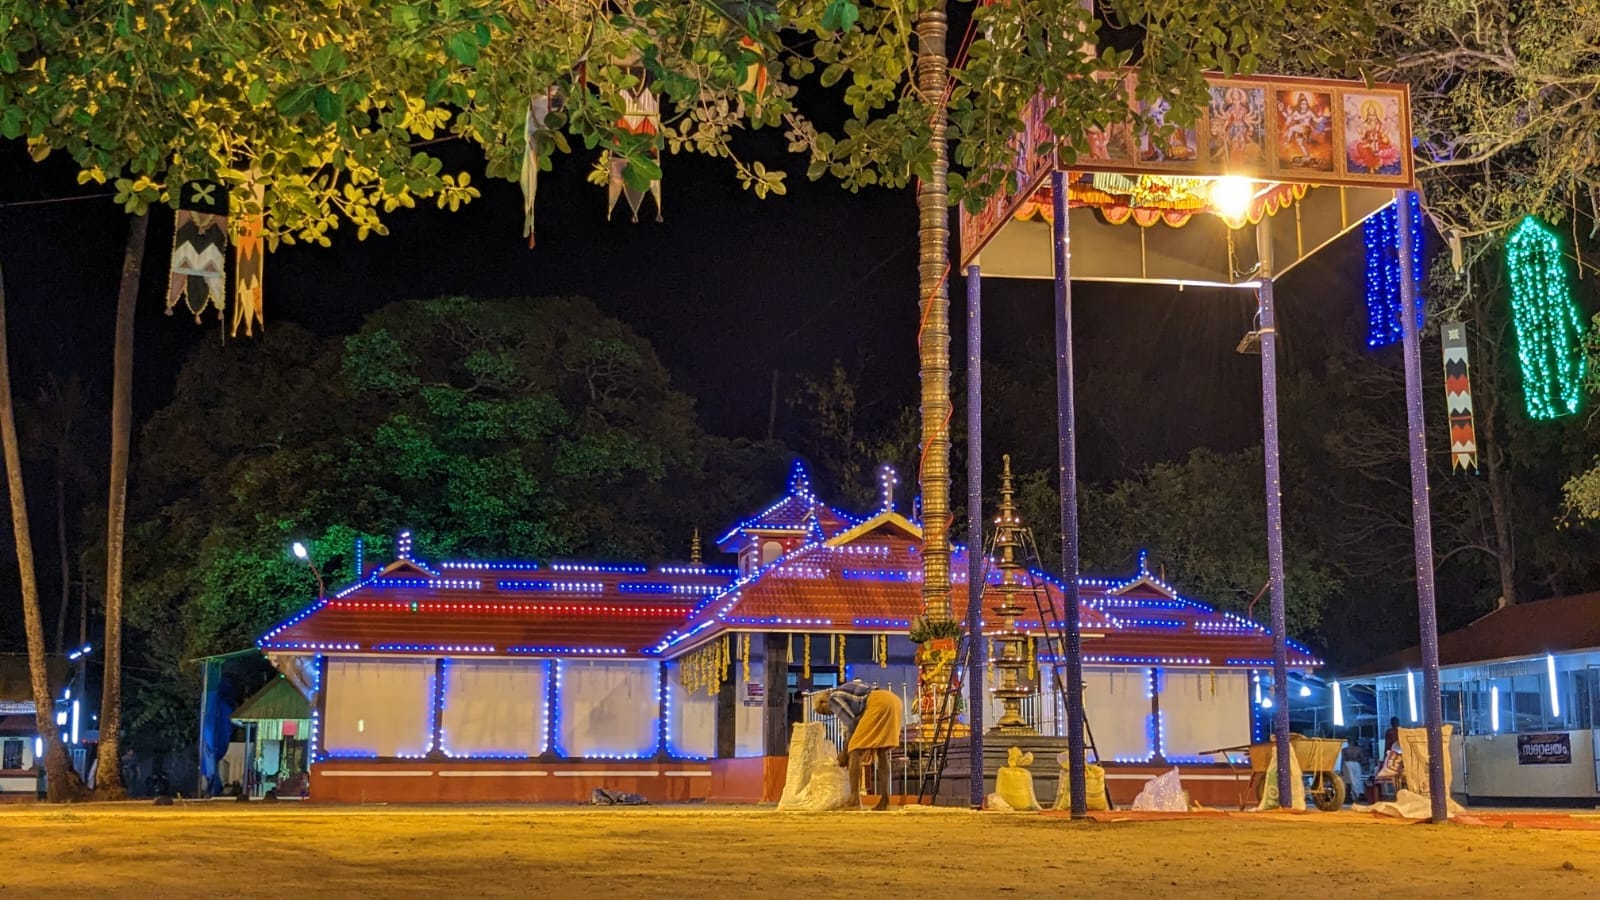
x,y
216,726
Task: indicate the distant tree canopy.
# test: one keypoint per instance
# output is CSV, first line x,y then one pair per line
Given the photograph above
x,y
493,429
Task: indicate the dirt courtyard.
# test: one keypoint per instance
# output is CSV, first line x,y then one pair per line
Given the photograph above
x,y
223,849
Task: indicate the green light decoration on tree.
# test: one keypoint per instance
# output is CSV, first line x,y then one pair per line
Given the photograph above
x,y
1549,328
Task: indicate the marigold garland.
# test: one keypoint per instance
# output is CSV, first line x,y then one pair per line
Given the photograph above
x,y
744,654
806,639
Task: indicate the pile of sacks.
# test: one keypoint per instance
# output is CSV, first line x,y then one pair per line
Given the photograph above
x,y
814,781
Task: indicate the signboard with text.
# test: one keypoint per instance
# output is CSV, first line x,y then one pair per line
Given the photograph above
x,y
1544,749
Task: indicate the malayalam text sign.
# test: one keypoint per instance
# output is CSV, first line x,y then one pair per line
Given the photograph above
x,y
1544,749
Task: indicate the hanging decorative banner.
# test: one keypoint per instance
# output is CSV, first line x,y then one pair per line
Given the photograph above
x,y
1458,398
1382,233
642,117
1549,327
249,262
533,131
199,238
754,70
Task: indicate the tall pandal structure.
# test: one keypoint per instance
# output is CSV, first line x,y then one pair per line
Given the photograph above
x,y
1011,644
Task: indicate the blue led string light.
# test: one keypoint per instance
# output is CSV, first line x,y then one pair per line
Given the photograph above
x,y
319,665
545,745
1382,234
437,685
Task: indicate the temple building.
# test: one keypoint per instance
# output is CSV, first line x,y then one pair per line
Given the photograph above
x,y
522,681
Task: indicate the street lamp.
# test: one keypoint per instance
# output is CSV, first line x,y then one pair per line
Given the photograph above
x,y
304,555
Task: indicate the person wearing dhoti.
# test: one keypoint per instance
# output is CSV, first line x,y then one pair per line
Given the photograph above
x,y
872,721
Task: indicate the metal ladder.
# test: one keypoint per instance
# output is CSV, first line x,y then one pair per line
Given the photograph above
x,y
1030,559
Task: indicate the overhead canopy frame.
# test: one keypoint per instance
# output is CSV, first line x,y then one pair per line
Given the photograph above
x,y
1318,156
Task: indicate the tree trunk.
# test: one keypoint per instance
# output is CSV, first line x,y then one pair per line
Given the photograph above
x,y
108,783
933,268
63,783
1490,456
66,565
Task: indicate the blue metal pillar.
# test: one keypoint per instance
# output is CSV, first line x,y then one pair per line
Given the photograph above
x,y
1067,464
977,659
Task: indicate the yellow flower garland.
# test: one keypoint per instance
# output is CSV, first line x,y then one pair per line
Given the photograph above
x,y
744,653
807,669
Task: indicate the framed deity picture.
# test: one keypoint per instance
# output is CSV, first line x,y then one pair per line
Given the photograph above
x,y
1374,134
1236,128
1305,130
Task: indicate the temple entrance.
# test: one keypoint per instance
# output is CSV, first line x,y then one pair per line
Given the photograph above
x,y
800,685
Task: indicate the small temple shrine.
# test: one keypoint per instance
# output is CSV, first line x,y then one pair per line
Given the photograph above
x,y
524,681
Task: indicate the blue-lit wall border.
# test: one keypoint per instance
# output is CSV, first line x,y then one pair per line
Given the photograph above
x,y
319,700
552,710
663,713
436,749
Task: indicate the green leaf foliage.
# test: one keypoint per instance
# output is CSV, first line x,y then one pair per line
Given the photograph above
x,y
327,103
526,429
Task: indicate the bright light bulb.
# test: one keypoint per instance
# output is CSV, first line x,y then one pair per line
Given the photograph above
x,y
1305,691
1555,700
300,551
1231,196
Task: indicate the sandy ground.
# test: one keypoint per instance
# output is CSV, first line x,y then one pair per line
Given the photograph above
x,y
222,849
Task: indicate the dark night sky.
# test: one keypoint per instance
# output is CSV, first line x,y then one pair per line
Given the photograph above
x,y
728,288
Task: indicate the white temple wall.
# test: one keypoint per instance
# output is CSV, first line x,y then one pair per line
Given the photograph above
x,y
607,708
1116,703
1203,711
494,708
692,717
378,707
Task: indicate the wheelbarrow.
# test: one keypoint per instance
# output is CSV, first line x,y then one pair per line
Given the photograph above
x,y
1318,759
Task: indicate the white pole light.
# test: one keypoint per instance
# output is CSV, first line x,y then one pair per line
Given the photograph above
x,y
1555,701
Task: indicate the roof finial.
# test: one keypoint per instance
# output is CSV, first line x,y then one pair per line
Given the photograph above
x,y
800,481
694,548
1144,562
888,480
402,549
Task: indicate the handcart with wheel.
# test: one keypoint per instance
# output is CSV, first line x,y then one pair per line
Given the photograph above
x,y
1318,759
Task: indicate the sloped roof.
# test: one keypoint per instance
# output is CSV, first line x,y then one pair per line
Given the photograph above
x,y
798,512
564,609
840,574
277,700
1556,625
873,584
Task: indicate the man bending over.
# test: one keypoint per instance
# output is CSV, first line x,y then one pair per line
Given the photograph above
x,y
872,722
